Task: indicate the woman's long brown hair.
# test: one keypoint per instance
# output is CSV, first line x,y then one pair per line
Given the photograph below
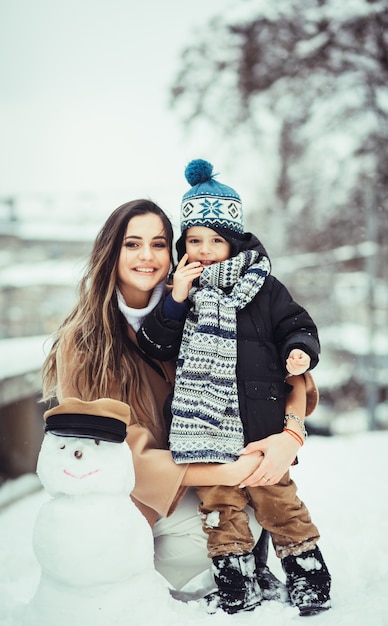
x,y
95,329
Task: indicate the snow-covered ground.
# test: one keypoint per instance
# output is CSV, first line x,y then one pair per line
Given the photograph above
x,y
343,481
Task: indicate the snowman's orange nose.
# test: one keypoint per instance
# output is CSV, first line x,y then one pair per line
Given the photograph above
x,y
78,454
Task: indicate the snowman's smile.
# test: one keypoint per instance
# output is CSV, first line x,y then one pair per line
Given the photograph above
x,y
82,476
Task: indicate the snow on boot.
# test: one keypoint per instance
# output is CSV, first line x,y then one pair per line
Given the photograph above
x,y
308,581
272,588
238,589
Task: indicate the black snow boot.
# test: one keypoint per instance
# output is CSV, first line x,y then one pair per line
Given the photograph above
x,y
272,588
238,589
308,581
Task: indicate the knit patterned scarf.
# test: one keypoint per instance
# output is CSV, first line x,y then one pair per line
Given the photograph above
x,y
206,425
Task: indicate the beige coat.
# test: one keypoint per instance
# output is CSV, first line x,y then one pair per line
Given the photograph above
x,y
158,487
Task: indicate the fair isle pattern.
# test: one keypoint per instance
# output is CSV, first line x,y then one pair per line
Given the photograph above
x,y
206,425
207,210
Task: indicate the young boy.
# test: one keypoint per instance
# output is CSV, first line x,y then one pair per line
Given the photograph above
x,y
245,344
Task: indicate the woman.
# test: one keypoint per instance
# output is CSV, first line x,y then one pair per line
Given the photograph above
x,y
95,354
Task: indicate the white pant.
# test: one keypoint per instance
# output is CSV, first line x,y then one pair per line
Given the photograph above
x,y
181,545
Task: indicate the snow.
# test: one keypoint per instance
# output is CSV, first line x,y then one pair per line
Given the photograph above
x,y
213,519
355,339
342,479
55,272
21,355
315,259
51,231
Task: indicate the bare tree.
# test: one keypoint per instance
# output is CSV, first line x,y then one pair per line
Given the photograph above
x,y
321,68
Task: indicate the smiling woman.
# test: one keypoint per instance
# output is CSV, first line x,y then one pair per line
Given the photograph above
x,y
144,260
125,278
95,354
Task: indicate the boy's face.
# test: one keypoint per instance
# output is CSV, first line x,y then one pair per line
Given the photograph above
x,y
205,245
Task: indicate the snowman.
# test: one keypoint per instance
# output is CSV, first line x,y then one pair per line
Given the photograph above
x,y
94,547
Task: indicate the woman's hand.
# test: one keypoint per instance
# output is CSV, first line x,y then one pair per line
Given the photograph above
x,y
246,465
279,453
183,278
229,474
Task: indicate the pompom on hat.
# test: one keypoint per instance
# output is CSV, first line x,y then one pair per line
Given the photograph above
x,y
210,203
104,419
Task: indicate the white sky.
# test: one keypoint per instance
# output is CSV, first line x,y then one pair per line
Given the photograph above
x,y
83,100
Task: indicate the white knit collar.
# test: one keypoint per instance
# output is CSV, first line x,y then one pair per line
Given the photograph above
x,y
135,317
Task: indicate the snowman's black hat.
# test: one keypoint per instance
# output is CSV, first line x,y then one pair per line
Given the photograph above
x,y
104,419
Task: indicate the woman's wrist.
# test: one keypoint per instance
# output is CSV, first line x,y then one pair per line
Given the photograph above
x,y
295,419
294,435
294,443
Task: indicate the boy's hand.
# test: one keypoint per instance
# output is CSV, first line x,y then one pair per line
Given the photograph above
x,y
183,278
298,362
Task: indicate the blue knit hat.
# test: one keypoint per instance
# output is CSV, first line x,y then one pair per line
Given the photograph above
x,y
208,202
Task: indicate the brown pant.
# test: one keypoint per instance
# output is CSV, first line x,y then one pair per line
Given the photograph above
x,y
277,509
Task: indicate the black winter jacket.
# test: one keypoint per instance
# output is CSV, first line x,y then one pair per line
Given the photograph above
x,y
267,330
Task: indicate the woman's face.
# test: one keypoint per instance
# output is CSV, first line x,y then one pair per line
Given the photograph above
x,y
144,259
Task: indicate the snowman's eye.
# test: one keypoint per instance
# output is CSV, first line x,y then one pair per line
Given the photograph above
x,y
62,447
97,442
